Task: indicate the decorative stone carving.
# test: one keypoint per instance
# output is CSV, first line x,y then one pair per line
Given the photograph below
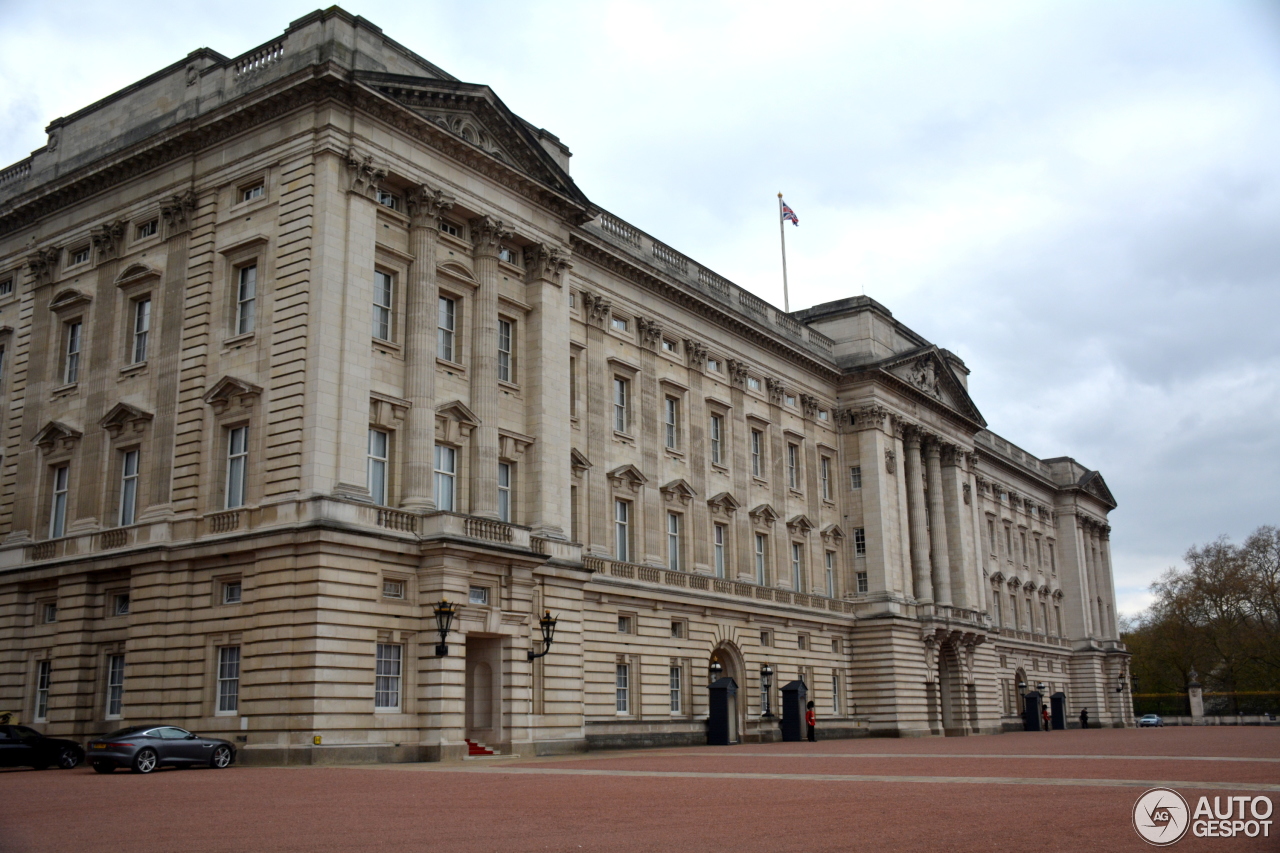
x,y
123,416
426,205
809,404
177,212
487,234
890,462
627,477
43,263
229,391
650,332
776,390
968,494
598,308
800,525
365,174
106,239
56,436
737,373
193,75
696,352
678,491
924,376
723,504
763,516
832,533
545,263
930,656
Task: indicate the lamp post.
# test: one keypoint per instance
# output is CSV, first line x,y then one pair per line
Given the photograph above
x,y
445,611
548,625
766,682
713,671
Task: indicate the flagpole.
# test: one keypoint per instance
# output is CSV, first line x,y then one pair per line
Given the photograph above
x,y
782,232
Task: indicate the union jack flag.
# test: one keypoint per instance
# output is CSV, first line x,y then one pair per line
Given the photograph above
x,y
789,214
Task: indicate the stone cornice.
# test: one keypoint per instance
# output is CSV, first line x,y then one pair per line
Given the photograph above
x,y
586,247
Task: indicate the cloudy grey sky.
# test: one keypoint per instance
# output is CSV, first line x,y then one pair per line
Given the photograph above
x,y
1081,199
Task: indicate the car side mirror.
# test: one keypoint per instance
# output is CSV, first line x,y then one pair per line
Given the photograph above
x,y
190,736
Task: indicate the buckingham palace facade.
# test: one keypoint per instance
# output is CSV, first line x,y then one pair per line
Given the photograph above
x,y
298,344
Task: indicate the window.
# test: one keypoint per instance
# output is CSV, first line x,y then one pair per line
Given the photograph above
x,y
115,685
757,453
1053,565
237,462
386,687
573,386
449,228
1008,543
835,645
791,400
824,469
793,466
855,477
797,565
622,688
619,323
446,470
831,574
246,298
677,630
141,329
379,443
506,351
50,612
6,287
713,364
1023,536
1039,555
1044,617
446,325
718,539
716,433
228,679
71,361
835,692
128,487
669,346
58,510
251,192
148,229
861,578
859,542
753,383
626,625
504,491
80,256
671,419
673,541
232,591
1057,619
387,199
509,255
766,639
991,535
621,531
478,595
621,403
382,286
762,548
44,675
392,588
675,680
824,415
802,642
120,604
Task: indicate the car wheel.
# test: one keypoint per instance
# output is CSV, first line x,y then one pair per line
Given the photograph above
x,y
221,757
144,761
68,758
104,767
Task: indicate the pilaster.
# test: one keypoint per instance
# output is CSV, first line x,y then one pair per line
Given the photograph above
x,y
548,395
487,235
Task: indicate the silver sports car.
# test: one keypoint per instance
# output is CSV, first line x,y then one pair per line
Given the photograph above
x,y
145,748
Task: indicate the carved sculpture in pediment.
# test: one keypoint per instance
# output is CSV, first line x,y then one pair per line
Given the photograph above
x,y
106,239
924,376
578,463
365,174
628,477
968,494
678,491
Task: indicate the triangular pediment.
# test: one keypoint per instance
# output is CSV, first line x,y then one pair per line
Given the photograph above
x,y
628,474
763,514
123,415
678,490
458,411
577,461
927,372
832,532
229,389
724,502
1093,483
475,116
56,433
800,524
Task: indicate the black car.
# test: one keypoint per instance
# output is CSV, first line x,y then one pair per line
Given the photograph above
x,y
24,747
145,748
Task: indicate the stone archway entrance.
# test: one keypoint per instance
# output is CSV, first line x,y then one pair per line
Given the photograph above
x,y
732,666
483,690
1019,679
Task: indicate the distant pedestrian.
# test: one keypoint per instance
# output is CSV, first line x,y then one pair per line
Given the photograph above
x,y
1044,715
811,719
1084,718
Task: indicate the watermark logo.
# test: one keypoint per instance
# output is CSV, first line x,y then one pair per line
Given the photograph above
x,y
1161,816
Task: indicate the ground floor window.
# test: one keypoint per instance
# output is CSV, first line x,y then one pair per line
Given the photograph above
x,y
386,689
228,679
622,688
44,674
115,686
676,697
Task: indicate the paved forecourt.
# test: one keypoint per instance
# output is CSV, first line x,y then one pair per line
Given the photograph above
x,y
1072,790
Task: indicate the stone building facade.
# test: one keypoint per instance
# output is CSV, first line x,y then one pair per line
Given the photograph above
x,y
297,344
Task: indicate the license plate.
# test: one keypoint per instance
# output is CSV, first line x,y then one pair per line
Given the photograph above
x,y
99,745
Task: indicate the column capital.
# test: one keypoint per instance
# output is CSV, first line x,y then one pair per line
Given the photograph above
x,y
737,373
696,352
545,263
650,332
43,263
365,173
177,212
932,447
776,390
487,234
598,308
426,205
108,236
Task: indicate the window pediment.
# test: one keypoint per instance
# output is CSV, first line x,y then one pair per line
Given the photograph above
x,y
56,435
512,445
800,524
69,300
454,421
125,417
577,462
832,533
678,490
627,476
135,273
723,503
230,391
763,515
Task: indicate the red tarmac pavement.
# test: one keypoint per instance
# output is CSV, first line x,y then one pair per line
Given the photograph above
x,y
1070,791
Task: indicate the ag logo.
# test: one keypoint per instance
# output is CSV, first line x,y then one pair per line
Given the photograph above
x,y
1161,817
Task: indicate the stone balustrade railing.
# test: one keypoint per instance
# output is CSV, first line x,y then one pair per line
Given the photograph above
x,y
16,173
723,586
258,58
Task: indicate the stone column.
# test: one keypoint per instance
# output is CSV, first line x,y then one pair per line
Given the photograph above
x,y
597,419
698,525
1108,582
920,575
421,296
938,525
487,235
953,486
547,377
